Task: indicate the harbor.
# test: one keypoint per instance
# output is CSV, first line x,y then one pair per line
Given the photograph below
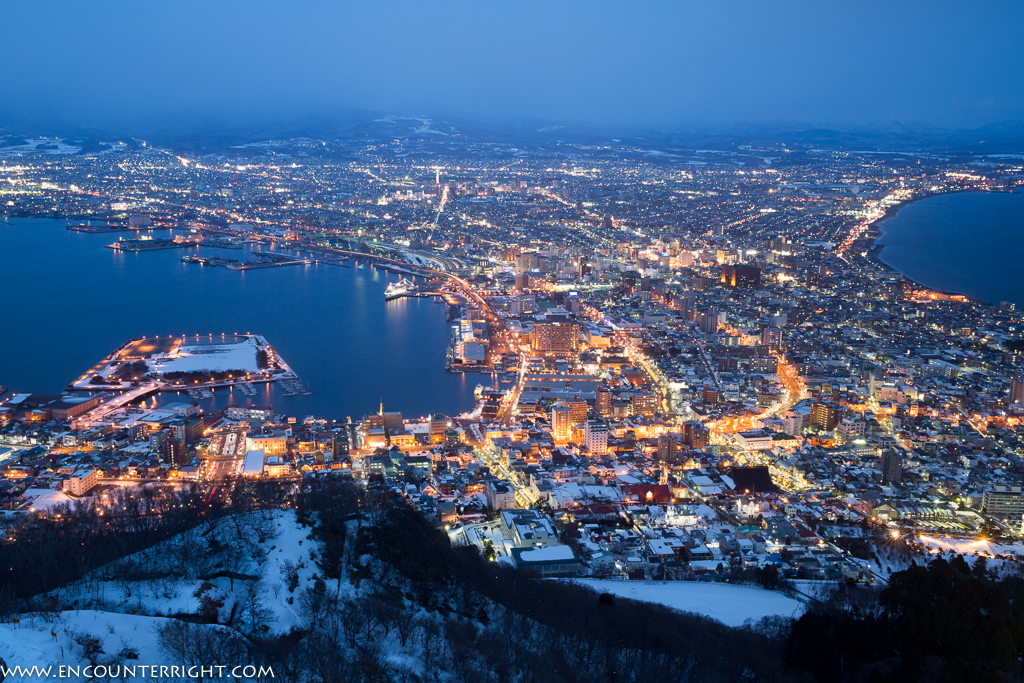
x,y
196,365
351,300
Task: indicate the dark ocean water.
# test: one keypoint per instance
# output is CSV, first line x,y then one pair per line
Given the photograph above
x,y
70,301
969,242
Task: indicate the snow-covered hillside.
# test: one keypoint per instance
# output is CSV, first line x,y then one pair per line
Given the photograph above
x,y
246,572
79,638
359,587
243,570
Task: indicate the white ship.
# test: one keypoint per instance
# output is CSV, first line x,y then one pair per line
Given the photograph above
x,y
399,289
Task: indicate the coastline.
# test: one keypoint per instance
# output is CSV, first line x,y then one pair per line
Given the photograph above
x,y
874,254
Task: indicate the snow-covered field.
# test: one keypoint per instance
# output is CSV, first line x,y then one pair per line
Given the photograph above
x,y
44,499
218,357
732,605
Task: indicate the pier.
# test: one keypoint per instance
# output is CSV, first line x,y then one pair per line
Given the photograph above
x,y
107,227
263,259
291,385
150,244
428,289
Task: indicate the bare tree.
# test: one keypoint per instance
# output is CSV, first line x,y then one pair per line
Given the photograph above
x,y
254,613
313,603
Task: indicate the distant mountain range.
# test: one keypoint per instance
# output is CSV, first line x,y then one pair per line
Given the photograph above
x,y
191,133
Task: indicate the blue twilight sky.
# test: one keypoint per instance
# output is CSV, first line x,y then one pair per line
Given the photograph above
x,y
952,64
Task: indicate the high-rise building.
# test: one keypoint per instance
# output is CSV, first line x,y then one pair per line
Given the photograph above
x,y
524,304
157,439
768,365
555,338
1017,389
793,423
851,428
438,426
644,403
668,447
696,435
595,437
772,338
709,322
189,430
741,276
824,415
709,394
579,410
527,261
172,450
892,466
1004,502
561,421
603,401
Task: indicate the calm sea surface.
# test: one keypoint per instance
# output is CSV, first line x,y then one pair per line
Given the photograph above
x,y
970,242
70,301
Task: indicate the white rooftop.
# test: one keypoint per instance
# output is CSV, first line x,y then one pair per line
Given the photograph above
x,y
547,554
254,462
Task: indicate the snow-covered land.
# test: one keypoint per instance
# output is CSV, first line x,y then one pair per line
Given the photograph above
x,y
732,605
245,571
65,639
352,585
242,567
213,357
44,499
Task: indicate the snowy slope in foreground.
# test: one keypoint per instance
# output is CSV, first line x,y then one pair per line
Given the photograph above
x,y
732,605
30,643
257,545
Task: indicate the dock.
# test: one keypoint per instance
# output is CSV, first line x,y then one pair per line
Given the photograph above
x,y
269,259
264,260
210,261
87,227
150,244
291,385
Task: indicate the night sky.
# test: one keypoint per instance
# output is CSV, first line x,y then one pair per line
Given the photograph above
x,y
949,64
